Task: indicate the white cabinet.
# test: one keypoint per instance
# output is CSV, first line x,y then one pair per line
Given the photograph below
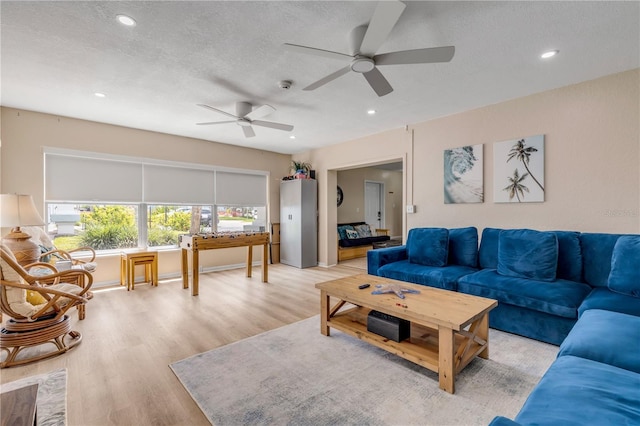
x,y
299,222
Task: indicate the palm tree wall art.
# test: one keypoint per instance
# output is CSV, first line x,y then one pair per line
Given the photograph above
x,y
519,170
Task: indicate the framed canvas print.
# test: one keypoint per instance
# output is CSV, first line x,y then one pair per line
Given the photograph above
x,y
518,170
463,177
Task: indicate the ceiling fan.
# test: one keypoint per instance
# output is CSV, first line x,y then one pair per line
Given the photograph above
x,y
365,41
246,117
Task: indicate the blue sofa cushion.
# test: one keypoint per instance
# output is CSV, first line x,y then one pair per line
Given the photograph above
x,y
342,231
597,250
560,297
578,391
605,336
463,247
432,276
569,256
488,252
525,253
625,266
603,298
428,246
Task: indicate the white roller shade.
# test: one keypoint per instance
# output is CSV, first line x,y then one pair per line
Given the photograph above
x,y
241,189
165,184
69,178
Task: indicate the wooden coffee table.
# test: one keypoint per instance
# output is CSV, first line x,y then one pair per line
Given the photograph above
x,y
448,329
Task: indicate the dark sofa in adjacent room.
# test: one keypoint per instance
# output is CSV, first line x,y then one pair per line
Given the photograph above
x,y
355,239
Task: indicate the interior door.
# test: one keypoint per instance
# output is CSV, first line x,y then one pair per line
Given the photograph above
x,y
374,204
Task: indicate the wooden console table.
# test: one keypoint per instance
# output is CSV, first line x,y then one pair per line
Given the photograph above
x,y
199,242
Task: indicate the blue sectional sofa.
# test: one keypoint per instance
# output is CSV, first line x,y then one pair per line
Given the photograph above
x,y
541,280
578,290
594,381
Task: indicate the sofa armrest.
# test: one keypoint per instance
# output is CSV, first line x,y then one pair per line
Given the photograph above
x,y
380,257
503,421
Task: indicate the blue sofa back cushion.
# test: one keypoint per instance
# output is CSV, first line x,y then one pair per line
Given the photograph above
x,y
625,266
342,231
463,246
597,250
525,253
569,256
428,246
606,337
488,252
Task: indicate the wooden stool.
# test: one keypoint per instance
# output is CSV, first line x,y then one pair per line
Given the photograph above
x,y
128,263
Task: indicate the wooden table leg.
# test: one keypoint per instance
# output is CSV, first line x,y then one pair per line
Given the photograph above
x,y
482,332
154,267
446,369
132,275
265,264
196,261
324,313
123,271
185,269
249,260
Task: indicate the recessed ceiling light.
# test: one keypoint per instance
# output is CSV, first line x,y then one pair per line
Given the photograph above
x,y
371,111
549,54
126,20
292,137
100,95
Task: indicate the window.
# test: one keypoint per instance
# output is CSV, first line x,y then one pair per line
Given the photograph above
x,y
99,226
166,223
111,202
240,218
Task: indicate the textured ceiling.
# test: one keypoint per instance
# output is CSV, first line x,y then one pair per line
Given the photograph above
x,y
56,54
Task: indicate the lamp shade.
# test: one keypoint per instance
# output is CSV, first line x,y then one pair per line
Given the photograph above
x,y
18,210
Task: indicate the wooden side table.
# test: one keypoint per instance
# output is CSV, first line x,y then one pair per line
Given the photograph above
x,y
128,263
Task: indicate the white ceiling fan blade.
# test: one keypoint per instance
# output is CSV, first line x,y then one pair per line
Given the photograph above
x,y
260,112
248,131
382,22
272,125
417,56
317,52
217,110
328,78
378,83
214,122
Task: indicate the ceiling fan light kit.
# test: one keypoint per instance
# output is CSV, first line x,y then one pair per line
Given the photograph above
x,y
365,40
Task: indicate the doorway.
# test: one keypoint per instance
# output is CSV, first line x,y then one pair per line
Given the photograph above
x,y
374,204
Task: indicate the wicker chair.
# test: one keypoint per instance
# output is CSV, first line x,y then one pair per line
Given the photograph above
x,y
37,322
40,237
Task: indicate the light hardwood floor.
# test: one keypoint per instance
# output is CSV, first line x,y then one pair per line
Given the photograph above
x,y
120,375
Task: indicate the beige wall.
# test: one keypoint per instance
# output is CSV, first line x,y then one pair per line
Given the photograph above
x,y
592,161
24,135
352,209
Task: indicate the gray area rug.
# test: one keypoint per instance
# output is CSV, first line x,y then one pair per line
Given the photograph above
x,y
51,400
294,375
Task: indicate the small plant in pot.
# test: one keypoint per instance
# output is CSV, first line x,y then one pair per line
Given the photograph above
x,y
300,169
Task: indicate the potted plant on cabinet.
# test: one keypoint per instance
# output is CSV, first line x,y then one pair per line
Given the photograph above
x,y
300,169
